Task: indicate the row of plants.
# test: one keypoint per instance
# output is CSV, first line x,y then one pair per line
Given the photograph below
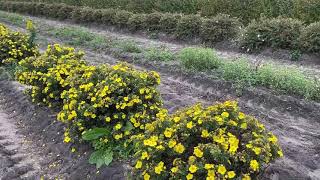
x,y
277,33
118,110
246,10
241,72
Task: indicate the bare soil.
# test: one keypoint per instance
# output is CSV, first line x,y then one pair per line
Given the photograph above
x,y
296,122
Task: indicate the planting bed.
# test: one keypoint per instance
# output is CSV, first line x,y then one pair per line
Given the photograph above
x,y
296,123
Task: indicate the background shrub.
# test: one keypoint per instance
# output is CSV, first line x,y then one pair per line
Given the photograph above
x,y
310,38
65,12
219,28
108,16
200,59
152,21
274,33
188,26
168,22
121,18
137,22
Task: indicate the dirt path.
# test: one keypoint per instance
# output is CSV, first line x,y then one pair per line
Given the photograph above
x,y
294,121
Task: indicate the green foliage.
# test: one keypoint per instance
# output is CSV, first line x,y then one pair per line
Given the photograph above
x,y
128,46
108,16
159,54
137,22
200,59
275,33
101,157
121,18
219,28
188,27
309,40
152,21
239,71
168,22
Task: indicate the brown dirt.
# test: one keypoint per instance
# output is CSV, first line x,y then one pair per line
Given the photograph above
x,y
296,122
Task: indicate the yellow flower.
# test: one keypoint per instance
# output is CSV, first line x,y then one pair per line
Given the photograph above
x,y
193,168
189,125
189,176
146,176
174,169
168,132
192,159
159,168
246,177
221,169
67,139
176,119
257,150
118,126
280,153
208,166
138,165
145,155
172,143
225,114
204,133
231,174
108,119
211,173
254,165
179,148
197,152
241,115
273,139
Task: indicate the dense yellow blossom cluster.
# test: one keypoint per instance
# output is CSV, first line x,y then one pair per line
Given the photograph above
x,y
14,46
217,142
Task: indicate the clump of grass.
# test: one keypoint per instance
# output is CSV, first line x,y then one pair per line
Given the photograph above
x,y
80,37
159,54
200,59
290,80
14,19
128,46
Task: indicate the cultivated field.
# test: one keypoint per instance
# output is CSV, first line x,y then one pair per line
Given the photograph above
x,y
130,93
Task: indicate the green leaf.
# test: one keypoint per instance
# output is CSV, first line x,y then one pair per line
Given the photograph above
x,y
101,157
95,133
128,126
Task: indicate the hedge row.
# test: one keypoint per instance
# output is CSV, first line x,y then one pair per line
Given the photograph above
x,y
119,111
215,29
246,10
279,33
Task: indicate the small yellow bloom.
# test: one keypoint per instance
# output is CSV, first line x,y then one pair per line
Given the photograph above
x,y
189,125
168,132
197,152
208,166
225,114
146,176
145,155
189,176
193,168
231,174
204,133
138,165
179,148
221,169
174,169
172,143
254,165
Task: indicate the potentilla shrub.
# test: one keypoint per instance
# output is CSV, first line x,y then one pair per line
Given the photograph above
x,y
168,22
219,28
152,21
309,40
15,46
217,142
121,18
271,33
136,22
108,105
108,16
188,26
47,73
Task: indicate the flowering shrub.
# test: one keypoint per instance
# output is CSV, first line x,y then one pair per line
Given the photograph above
x,y
15,46
108,105
47,73
204,143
